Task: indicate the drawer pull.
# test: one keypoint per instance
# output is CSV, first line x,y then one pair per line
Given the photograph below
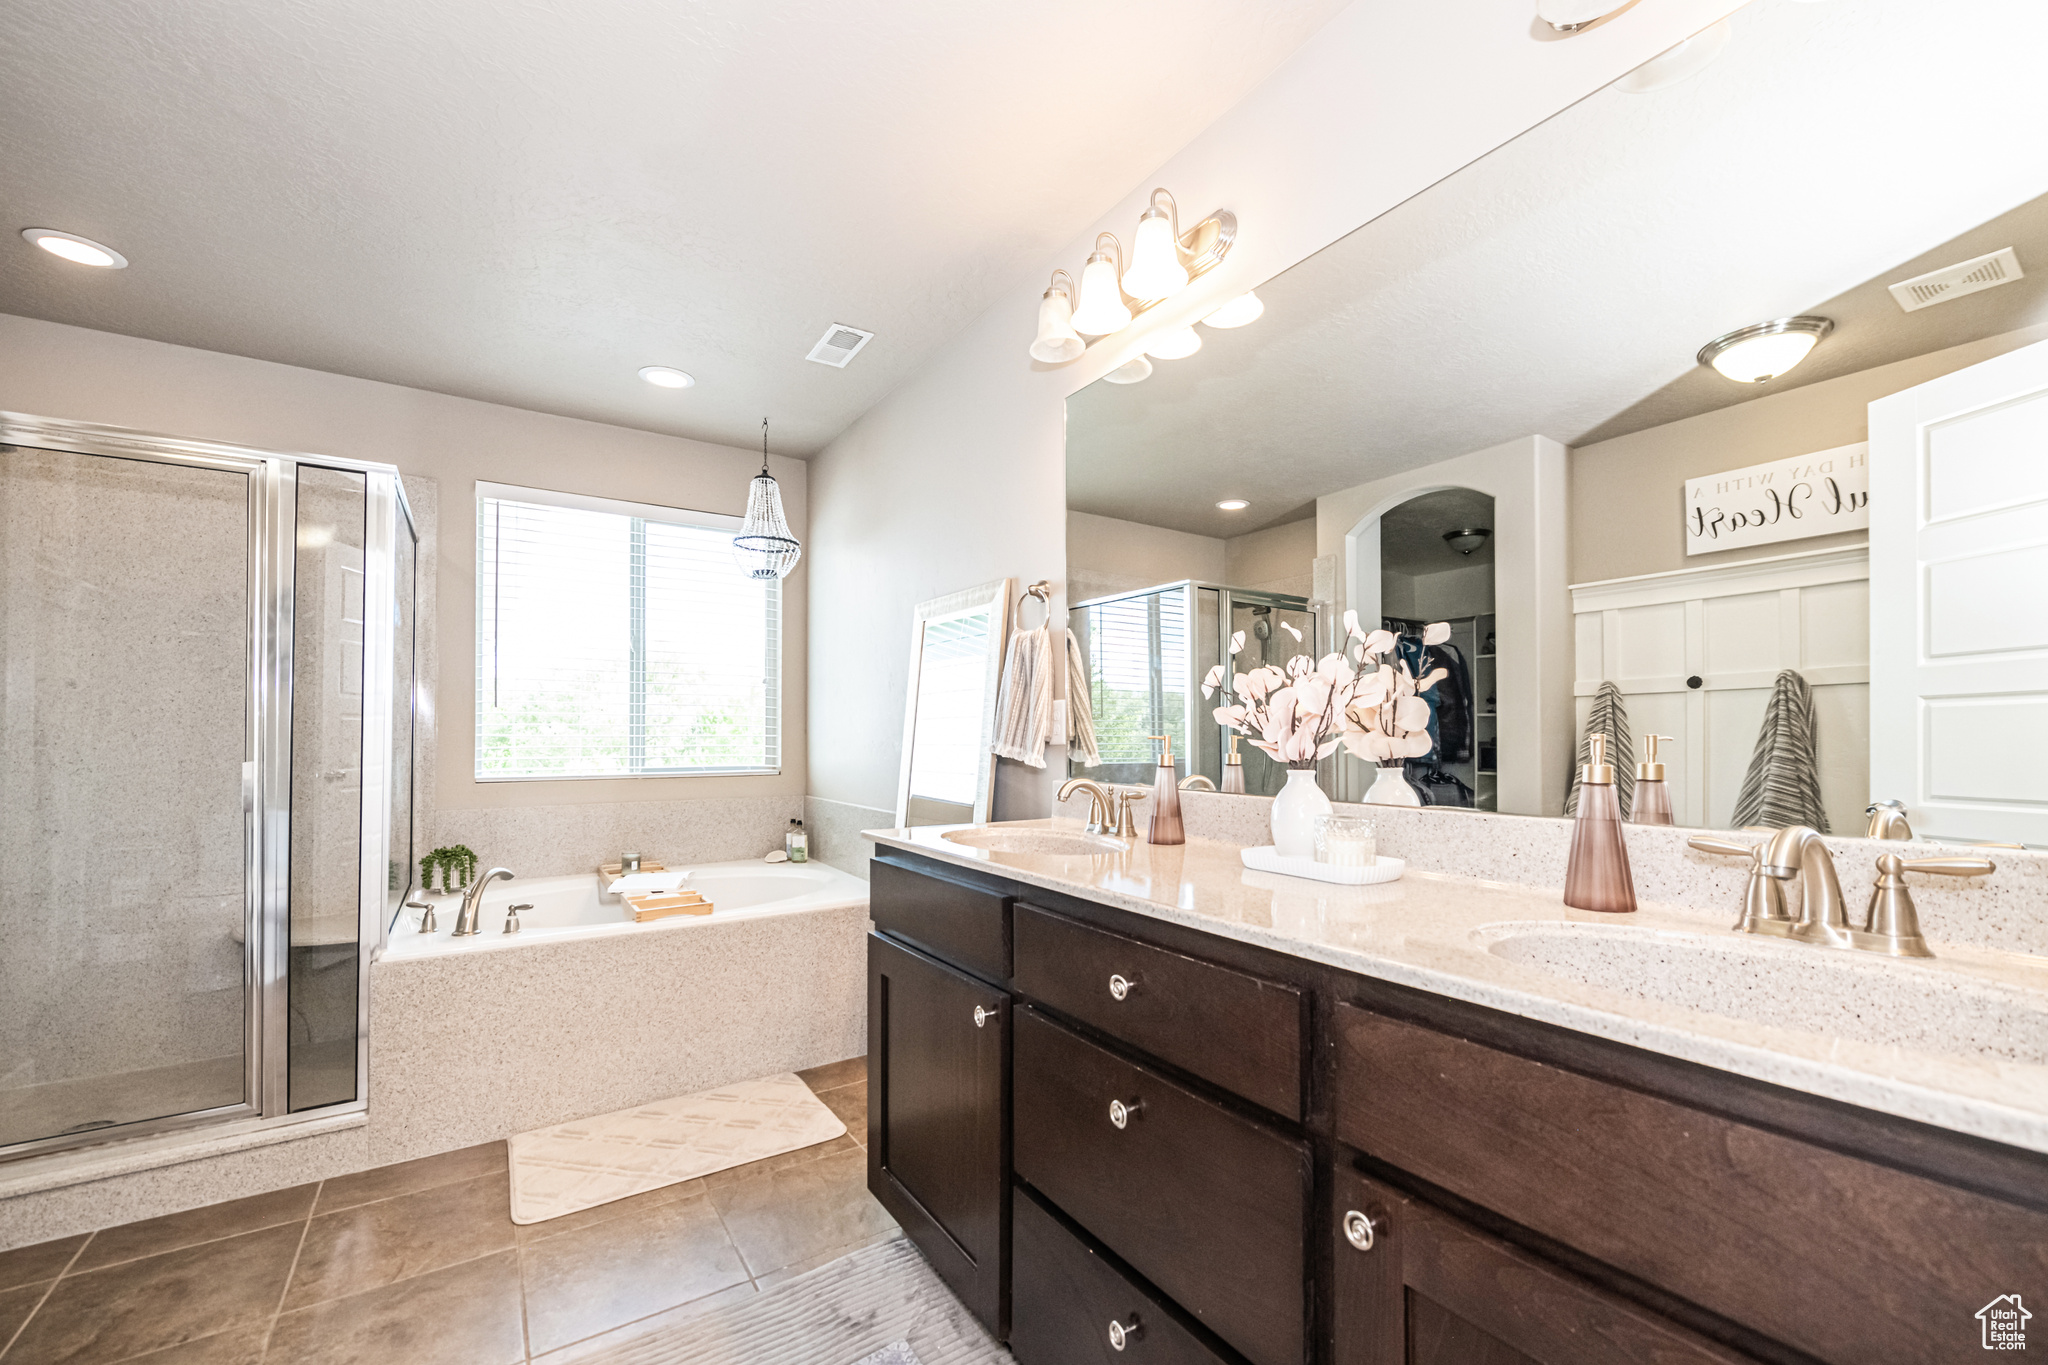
x,y
1120,986
1358,1230
982,1016
1122,1334
1121,1114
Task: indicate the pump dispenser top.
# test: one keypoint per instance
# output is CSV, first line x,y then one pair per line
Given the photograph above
x,y
1166,823
1597,878
1652,805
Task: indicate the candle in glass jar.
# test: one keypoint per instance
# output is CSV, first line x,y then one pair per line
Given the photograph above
x,y
1345,841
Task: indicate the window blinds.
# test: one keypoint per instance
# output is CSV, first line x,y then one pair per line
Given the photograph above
x,y
1138,675
616,640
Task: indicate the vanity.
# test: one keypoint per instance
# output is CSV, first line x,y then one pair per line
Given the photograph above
x,y
1137,1104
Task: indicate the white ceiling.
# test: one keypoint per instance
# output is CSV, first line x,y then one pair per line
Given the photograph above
x,y
1563,284
527,202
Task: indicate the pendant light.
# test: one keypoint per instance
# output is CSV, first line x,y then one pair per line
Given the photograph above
x,y
764,547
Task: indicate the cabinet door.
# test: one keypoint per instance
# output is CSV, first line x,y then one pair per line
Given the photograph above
x,y
1418,1287
938,1119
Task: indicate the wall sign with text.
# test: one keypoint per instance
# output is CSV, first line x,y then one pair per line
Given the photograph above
x,y
1809,495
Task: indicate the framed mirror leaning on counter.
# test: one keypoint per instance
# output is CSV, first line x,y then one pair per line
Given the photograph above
x,y
1723,431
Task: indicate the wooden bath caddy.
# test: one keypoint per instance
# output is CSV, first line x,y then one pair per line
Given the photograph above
x,y
611,872
664,904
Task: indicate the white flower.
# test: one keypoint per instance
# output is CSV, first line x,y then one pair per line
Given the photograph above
x,y
1289,628
1211,680
1432,678
1300,666
1370,745
1436,633
1351,629
1233,716
1237,644
1379,642
1253,684
1313,694
1336,669
1412,713
1414,746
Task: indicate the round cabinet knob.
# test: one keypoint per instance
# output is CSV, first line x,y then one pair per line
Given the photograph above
x,y
1358,1230
1120,986
1121,1114
982,1016
1122,1334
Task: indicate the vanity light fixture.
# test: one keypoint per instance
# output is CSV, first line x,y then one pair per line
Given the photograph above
x,y
1057,341
1246,307
1156,271
1765,350
79,250
764,547
1136,370
1102,309
1232,505
666,377
1467,540
1175,343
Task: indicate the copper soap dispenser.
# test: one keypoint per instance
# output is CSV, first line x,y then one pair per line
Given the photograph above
x,y
1652,805
1166,825
1597,877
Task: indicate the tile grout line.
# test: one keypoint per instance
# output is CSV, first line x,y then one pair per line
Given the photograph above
x,y
54,1279
305,1230
525,1325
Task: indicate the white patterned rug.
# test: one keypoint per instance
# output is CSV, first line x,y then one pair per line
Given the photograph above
x,y
574,1166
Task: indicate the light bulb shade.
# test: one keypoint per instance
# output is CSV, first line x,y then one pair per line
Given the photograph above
x,y
1175,343
1102,309
1156,271
1246,307
764,548
1057,341
1751,355
1136,370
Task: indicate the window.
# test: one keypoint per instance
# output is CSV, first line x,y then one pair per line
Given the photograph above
x,y
618,640
1138,670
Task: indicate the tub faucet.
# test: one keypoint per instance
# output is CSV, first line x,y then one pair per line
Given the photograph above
x,y
1797,851
473,900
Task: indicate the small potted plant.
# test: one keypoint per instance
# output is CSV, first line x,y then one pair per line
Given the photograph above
x,y
1386,720
1295,715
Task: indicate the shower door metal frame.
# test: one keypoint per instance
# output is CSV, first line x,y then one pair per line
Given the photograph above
x,y
266,760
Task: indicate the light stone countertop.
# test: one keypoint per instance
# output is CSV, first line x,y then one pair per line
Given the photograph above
x,y
1847,1026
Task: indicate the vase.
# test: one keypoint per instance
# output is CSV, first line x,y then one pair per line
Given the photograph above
x,y
1294,814
1391,788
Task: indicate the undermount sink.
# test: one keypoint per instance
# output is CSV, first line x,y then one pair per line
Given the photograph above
x,y
1055,842
1826,992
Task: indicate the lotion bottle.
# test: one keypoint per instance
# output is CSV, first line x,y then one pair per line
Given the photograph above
x,y
1597,877
1166,824
1653,799
1233,769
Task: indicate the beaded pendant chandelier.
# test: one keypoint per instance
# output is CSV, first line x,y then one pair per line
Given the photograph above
x,y
764,547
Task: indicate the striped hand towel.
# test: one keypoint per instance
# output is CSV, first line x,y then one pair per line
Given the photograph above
x,y
1024,706
1080,708
1608,717
1782,786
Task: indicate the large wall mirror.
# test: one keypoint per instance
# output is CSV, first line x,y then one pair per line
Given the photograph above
x,y
1489,407
956,660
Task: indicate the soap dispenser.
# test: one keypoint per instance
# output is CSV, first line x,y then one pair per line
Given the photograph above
x,y
1653,799
1597,876
1233,769
1166,825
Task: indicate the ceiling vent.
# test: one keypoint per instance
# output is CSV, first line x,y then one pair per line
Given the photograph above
x,y
1952,282
839,345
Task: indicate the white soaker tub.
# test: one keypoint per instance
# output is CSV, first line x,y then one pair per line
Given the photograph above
x,y
575,906
584,1011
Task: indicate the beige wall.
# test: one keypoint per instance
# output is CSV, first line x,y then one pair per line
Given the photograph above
x,y
1108,554
1628,494
57,371
959,475
1277,559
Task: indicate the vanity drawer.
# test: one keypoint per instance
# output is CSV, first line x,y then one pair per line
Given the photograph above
x,y
1238,1031
1064,1296
955,923
1839,1257
1211,1207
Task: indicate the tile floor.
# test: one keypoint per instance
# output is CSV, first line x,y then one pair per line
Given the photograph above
x,y
419,1264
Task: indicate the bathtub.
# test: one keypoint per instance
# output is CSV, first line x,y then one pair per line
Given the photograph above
x,y
575,906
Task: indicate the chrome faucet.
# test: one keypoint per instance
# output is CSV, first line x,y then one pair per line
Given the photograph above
x,y
1797,851
1102,808
473,900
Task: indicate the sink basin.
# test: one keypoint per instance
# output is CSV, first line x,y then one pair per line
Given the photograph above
x,y
1791,986
1059,843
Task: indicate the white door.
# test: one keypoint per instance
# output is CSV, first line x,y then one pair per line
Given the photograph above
x,y
1959,600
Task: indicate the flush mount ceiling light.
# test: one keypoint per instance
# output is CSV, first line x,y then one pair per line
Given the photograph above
x,y
1752,355
1112,292
1246,307
1680,63
664,377
1232,505
1467,539
1175,343
1136,370
81,250
764,547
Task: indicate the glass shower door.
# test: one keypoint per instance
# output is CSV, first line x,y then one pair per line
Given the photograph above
x,y
125,610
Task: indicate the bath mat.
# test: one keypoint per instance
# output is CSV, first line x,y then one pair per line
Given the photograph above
x,y
575,1166
852,1311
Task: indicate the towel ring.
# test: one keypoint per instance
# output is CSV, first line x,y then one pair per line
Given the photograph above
x,y
1042,590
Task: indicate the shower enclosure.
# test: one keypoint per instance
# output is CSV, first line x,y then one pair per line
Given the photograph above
x,y
206,740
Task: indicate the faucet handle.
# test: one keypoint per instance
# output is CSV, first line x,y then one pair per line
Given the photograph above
x,y
1763,900
427,925
1947,867
1894,927
1706,843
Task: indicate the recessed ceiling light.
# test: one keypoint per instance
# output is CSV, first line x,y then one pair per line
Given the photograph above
x,y
1233,505
82,250
1751,355
1136,370
1246,307
665,377
1175,343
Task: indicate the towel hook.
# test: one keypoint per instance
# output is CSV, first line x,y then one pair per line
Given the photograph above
x,y
1042,590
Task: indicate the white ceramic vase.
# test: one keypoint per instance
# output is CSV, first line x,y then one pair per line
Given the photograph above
x,y
1294,814
1391,788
